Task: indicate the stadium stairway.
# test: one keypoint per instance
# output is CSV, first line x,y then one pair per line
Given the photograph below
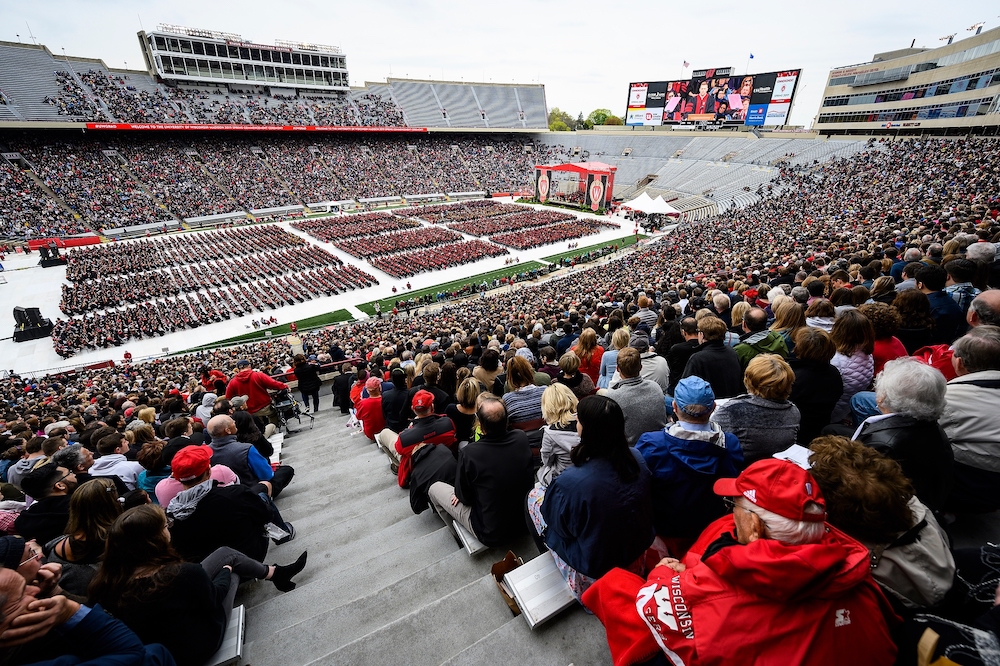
x,y
383,585
49,191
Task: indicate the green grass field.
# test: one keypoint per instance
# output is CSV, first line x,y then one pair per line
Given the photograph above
x,y
389,303
284,329
622,242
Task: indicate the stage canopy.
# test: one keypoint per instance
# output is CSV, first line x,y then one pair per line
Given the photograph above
x,y
591,187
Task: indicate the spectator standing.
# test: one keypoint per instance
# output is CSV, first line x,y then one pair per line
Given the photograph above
x,y
714,362
255,385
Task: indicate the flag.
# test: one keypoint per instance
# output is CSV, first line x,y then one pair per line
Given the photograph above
x,y
751,56
687,64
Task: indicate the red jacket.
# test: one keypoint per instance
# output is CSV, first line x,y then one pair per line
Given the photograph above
x,y
765,603
433,429
254,385
209,382
369,412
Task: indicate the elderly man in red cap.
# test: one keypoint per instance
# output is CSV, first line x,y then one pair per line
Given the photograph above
x,y
770,583
207,515
427,427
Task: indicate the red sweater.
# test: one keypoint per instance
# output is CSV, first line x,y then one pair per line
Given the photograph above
x,y
255,385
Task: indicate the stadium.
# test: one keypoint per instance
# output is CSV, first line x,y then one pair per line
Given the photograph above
x,y
425,254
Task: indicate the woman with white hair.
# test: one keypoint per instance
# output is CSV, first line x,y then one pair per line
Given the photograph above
x,y
910,396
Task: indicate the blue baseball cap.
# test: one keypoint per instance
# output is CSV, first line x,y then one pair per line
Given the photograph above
x,y
692,392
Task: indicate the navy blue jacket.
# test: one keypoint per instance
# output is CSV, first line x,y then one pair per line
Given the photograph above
x,y
685,465
596,522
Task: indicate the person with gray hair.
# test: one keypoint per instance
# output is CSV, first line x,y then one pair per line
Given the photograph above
x,y
800,295
971,420
910,396
773,559
76,458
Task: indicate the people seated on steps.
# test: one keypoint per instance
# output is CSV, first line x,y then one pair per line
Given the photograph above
x,y
248,464
427,427
598,513
186,606
369,410
492,477
685,459
207,515
773,557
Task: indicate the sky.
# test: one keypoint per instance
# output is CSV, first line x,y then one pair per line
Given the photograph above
x,y
584,52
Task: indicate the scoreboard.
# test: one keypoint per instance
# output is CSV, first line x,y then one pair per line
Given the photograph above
x,y
714,96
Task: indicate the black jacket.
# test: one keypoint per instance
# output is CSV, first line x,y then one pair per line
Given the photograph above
x,y
308,377
493,478
342,390
677,358
718,365
817,388
921,448
44,520
440,401
392,406
430,464
231,516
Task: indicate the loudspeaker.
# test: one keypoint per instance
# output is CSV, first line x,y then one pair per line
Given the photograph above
x,y
20,316
34,316
44,251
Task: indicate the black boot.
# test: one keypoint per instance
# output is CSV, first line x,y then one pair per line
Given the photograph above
x,y
282,577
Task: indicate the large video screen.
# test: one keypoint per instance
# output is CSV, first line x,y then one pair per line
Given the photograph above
x,y
752,99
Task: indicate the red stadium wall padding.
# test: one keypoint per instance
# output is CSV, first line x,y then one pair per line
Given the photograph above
x,y
72,241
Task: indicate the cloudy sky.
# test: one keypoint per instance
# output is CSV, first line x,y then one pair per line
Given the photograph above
x,y
585,52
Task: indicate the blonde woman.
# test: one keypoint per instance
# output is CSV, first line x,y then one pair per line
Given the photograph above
x,y
788,318
609,360
463,413
559,436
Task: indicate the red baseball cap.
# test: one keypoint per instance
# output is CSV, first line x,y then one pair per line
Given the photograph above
x,y
779,486
423,399
191,462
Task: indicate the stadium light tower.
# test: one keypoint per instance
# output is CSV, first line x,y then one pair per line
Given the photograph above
x,y
978,27
950,38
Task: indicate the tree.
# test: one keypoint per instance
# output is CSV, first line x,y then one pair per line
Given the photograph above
x,y
556,115
599,116
613,120
558,126
582,123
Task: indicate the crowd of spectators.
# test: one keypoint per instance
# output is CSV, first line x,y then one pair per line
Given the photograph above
x,y
460,212
128,104
91,263
73,101
529,238
376,110
383,244
223,270
521,219
336,229
27,212
778,297
151,179
436,258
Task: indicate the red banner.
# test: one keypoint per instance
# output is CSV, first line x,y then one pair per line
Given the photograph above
x,y
253,128
70,241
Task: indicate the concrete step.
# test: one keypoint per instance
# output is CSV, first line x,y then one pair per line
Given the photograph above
x,y
336,547
575,637
326,588
410,597
431,634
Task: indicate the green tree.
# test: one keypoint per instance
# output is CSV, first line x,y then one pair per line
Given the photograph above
x,y
613,120
558,115
582,123
599,116
558,126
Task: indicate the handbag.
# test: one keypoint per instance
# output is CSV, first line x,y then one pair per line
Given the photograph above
x,y
504,566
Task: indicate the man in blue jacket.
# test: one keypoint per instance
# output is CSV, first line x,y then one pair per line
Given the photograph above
x,y
685,459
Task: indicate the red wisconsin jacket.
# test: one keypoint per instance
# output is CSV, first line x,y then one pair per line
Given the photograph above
x,y
765,603
253,384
